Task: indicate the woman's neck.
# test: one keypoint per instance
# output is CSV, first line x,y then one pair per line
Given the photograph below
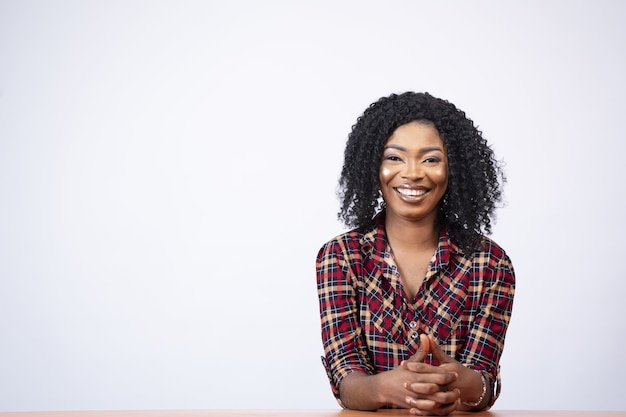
x,y
416,235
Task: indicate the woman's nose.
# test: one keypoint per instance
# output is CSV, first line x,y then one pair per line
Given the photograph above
x,y
413,170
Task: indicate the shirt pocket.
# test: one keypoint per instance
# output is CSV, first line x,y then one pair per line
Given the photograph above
x,y
444,308
381,312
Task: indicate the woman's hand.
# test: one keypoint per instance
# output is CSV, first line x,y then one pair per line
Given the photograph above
x,y
434,397
401,387
432,387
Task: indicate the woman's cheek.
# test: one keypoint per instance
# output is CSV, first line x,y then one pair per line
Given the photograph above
x,y
385,173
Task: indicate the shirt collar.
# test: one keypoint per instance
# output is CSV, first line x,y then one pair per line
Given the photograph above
x,y
445,249
374,244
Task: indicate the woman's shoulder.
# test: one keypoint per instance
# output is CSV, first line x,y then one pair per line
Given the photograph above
x,y
351,241
491,246
482,246
347,239
492,253
485,249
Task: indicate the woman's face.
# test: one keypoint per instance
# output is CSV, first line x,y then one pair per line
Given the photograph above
x,y
414,172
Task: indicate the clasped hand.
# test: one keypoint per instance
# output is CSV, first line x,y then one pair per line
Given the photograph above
x,y
431,387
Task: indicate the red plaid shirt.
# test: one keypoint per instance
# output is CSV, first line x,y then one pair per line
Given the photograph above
x,y
369,325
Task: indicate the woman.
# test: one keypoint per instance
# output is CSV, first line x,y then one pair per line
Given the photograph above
x,y
415,301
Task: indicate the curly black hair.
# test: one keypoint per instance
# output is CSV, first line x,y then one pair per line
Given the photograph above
x,y
475,177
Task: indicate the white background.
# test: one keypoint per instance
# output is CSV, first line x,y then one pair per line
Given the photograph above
x,y
168,173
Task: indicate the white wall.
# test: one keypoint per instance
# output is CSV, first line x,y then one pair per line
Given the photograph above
x,y
168,169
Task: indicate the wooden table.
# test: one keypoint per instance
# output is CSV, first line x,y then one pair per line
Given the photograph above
x,y
301,413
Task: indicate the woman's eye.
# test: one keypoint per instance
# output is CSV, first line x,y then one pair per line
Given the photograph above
x,y
392,158
432,160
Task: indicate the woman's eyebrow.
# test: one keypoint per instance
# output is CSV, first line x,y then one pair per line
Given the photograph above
x,y
398,147
422,150
431,149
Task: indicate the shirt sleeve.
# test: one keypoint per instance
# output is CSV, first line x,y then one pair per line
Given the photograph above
x,y
485,341
344,349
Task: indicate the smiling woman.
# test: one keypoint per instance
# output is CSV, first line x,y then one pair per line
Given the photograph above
x,y
414,172
415,300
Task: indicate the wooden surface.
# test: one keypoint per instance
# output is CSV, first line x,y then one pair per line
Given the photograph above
x,y
302,413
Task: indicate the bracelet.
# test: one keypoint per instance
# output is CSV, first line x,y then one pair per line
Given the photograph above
x,y
482,394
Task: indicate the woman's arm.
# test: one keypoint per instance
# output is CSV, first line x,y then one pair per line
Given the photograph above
x,y
485,342
344,348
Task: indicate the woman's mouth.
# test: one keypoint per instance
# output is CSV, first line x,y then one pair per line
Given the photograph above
x,y
411,192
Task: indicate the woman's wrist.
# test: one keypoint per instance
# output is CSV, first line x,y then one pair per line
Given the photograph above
x,y
359,391
483,392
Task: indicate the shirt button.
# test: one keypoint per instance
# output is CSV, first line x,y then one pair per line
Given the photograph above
x,y
412,325
414,335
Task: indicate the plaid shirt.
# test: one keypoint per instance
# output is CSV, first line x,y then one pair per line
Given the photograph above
x,y
369,325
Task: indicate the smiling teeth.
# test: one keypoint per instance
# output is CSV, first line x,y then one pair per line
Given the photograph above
x,y
410,192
